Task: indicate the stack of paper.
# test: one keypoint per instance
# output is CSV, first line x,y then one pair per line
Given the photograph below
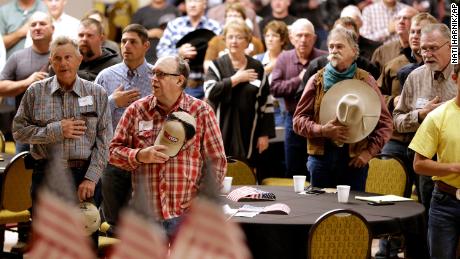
x,y
382,198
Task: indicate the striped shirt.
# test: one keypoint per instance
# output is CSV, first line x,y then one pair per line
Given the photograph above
x,y
171,186
376,18
420,88
45,104
112,77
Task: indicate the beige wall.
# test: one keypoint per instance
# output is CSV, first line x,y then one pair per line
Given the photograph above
x,y
76,8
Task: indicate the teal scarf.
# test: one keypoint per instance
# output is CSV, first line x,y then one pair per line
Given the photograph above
x,y
332,76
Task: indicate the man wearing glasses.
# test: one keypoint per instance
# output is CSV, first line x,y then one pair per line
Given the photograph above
x,y
172,182
125,83
425,89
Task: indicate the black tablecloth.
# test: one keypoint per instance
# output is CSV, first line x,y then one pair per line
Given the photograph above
x,y
285,236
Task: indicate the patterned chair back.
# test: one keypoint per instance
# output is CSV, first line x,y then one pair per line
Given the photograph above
x,y
242,174
387,175
340,234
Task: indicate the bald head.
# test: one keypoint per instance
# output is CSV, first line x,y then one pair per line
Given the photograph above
x,y
41,27
354,13
402,20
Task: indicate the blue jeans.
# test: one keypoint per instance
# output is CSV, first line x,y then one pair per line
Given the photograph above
x,y
171,225
443,225
331,169
197,92
116,192
295,150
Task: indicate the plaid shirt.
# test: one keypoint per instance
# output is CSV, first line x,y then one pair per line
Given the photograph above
x,y
376,18
421,87
172,185
45,104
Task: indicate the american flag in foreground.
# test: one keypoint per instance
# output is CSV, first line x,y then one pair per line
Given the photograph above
x,y
140,237
58,230
205,233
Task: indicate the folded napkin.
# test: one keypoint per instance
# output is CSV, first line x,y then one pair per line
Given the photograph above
x,y
250,193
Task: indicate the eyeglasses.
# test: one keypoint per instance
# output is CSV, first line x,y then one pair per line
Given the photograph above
x,y
237,37
161,74
432,49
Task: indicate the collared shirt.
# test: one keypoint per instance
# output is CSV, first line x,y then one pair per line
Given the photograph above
x,y
420,88
65,25
386,52
12,17
376,18
112,77
285,76
171,186
177,29
45,104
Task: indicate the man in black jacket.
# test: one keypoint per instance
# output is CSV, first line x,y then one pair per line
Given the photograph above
x,y
95,57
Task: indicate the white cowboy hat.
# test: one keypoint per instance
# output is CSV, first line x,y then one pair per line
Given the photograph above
x,y
355,104
178,128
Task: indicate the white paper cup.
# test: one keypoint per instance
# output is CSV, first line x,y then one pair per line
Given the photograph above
x,y
343,191
299,182
227,185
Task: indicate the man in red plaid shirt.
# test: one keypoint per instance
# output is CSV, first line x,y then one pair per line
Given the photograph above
x,y
172,182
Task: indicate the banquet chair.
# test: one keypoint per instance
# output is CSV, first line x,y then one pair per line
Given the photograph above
x,y
15,197
278,181
340,233
240,171
387,175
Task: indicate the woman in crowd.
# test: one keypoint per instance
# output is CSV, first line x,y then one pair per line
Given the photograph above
x,y
217,46
236,87
276,37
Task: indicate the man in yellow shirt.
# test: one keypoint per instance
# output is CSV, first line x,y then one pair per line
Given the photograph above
x,y
439,135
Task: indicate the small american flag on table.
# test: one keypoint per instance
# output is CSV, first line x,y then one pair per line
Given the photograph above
x,y
250,193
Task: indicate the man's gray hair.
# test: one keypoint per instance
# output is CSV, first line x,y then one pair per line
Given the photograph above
x,y
61,41
349,35
440,27
300,24
182,68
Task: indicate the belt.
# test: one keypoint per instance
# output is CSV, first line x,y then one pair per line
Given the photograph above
x,y
445,188
192,83
75,163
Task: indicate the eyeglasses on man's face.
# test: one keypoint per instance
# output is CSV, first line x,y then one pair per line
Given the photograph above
x,y
432,49
161,74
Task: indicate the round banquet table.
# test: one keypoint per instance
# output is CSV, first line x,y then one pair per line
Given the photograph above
x,y
285,236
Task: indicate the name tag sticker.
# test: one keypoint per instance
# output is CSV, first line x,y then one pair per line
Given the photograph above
x,y
145,125
421,102
255,83
85,101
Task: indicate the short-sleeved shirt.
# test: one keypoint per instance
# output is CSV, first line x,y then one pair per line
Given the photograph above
x,y
12,17
22,64
438,135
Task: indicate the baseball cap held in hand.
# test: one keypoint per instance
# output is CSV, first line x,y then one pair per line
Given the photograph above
x,y
178,129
